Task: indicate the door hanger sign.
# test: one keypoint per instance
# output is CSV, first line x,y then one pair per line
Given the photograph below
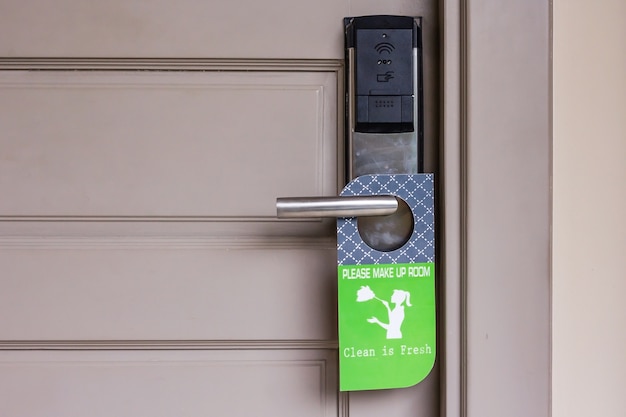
x,y
387,299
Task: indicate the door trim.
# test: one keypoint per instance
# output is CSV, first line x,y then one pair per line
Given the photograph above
x,y
452,203
172,64
496,146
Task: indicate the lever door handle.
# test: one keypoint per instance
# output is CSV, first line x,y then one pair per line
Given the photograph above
x,y
348,206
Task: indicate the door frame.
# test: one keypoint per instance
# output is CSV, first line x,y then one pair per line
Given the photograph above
x,y
496,168
495,102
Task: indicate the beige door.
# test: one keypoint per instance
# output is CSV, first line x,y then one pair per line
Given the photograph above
x,y
142,146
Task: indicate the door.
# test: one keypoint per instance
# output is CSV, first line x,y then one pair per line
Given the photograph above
x,y
142,149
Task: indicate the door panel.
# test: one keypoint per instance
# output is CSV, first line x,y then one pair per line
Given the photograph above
x,y
169,383
142,147
131,29
128,144
166,289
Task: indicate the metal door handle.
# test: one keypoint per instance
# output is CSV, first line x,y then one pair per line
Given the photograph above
x,y
349,206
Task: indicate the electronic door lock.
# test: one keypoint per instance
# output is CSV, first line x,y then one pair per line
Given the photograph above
x,y
384,116
383,119
384,72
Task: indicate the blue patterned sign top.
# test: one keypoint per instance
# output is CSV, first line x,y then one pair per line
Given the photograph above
x,y
417,190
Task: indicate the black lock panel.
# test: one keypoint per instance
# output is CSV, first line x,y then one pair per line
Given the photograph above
x,y
384,118
384,62
384,69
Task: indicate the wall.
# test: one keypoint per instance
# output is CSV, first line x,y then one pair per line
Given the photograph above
x,y
589,208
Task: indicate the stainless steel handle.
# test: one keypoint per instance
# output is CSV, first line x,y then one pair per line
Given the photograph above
x,y
349,206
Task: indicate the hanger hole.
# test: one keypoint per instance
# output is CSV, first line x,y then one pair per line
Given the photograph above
x,y
387,233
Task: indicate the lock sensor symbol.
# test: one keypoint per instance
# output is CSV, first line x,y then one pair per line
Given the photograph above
x,y
384,78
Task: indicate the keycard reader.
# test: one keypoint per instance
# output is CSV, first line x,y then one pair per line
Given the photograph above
x,y
384,117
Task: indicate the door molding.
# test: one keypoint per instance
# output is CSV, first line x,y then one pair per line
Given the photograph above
x,y
173,64
79,345
496,159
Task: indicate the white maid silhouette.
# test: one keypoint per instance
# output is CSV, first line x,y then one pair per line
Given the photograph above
x,y
396,314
